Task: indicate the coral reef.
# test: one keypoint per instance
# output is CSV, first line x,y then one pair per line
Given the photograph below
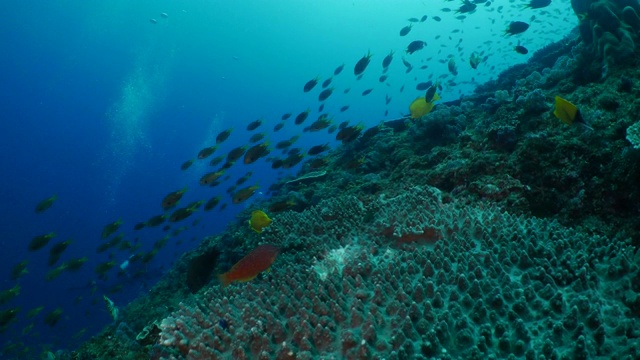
x,y
633,135
470,282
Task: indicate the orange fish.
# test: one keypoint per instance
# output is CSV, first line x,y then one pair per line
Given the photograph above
x,y
255,262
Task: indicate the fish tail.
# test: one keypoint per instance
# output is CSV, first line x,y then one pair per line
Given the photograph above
x,y
224,280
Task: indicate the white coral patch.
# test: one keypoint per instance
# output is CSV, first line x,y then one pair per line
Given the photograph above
x,y
332,263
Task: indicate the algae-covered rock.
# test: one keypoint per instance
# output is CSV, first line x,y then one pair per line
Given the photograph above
x,y
609,27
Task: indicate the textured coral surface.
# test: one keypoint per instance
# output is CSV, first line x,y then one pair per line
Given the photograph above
x,y
426,278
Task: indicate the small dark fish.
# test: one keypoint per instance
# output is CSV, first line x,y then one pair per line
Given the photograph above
x,y
338,70
212,203
322,123
254,125
224,135
349,133
211,177
387,99
451,65
474,60
257,137
56,251
53,317
431,92
326,82
324,95
367,92
206,152
407,64
172,198
436,18
467,7
292,161
315,150
156,220
216,160
423,18
40,241
521,49
362,64
344,108
46,204
413,20
383,78
311,84
302,117
405,30
459,17
183,213
415,46
243,179
537,4
187,164
402,88
343,125
256,152
286,116
236,153
111,228
287,143
446,10
278,127
387,60
346,91
424,85
321,107
243,194
281,206
516,27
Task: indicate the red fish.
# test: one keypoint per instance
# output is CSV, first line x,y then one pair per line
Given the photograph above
x,y
255,262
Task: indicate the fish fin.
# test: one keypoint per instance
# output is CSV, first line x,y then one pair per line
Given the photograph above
x,y
580,120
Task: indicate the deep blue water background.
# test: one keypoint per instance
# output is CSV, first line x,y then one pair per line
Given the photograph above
x,y
102,107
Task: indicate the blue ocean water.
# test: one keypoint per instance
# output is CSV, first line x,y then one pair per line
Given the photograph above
x,y
101,107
